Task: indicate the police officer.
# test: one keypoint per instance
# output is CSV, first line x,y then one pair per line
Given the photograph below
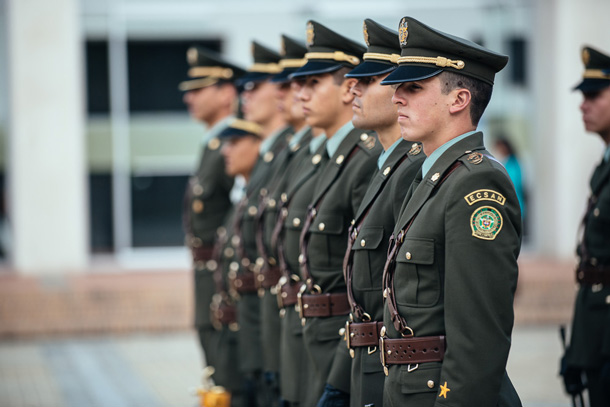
x,y
352,159
211,97
589,350
451,272
374,221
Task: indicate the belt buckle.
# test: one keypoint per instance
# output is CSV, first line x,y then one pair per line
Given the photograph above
x,y
280,301
348,337
300,303
382,350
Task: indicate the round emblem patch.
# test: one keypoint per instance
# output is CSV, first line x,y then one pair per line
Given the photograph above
x,y
486,222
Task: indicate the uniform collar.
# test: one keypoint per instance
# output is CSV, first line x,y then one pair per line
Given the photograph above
x,y
431,159
267,143
298,136
385,154
337,138
215,130
316,142
607,154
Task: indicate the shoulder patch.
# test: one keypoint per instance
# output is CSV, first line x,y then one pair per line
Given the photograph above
x,y
486,222
485,195
475,158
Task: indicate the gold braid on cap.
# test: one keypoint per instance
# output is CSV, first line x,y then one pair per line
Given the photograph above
x,y
595,74
393,58
265,68
292,63
336,56
438,61
213,71
249,127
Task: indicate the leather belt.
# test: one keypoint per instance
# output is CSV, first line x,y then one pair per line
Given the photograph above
x,y
324,305
202,253
411,350
288,294
362,333
588,274
243,283
270,276
225,314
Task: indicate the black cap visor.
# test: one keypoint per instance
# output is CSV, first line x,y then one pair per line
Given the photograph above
x,y
592,85
255,77
316,67
410,73
370,68
283,76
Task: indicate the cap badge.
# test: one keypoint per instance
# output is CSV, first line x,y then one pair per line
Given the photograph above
x,y
365,32
192,55
309,34
403,32
585,57
283,48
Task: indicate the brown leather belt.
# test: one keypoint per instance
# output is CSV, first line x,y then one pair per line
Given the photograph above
x,y
202,253
288,294
587,274
363,333
269,277
324,305
243,283
225,314
412,350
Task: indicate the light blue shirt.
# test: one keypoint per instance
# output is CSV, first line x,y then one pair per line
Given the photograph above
x,y
431,159
215,130
267,143
385,154
607,154
316,142
337,138
298,136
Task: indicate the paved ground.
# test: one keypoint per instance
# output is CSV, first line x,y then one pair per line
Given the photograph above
x,y
159,370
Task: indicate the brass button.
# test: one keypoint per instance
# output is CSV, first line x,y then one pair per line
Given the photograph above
x,y
229,252
321,226
431,384
435,177
364,137
296,222
235,240
284,197
386,171
271,203
301,259
608,299
211,265
340,159
197,206
362,243
197,189
268,157
408,255
245,261
252,210
214,144
315,160
596,212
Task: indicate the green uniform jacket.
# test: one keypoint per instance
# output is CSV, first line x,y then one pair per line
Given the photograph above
x,y
342,183
377,216
294,366
455,275
590,343
248,306
206,204
267,217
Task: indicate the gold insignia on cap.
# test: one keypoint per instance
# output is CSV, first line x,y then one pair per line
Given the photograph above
x,y
192,55
435,177
486,222
214,144
585,56
315,160
197,206
268,157
340,159
365,32
283,47
415,149
309,34
387,171
403,32
475,158
485,195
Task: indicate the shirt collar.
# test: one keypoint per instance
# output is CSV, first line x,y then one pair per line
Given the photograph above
x,y
316,142
298,136
267,143
607,154
337,138
431,159
385,154
215,130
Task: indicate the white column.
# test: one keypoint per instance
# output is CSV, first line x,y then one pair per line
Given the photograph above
x,y
48,189
565,154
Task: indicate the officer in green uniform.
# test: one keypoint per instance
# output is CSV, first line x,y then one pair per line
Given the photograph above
x,y
339,190
241,153
211,97
374,221
292,53
589,350
261,106
451,272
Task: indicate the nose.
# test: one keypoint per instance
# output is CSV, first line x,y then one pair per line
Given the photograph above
x,y
355,89
398,97
303,94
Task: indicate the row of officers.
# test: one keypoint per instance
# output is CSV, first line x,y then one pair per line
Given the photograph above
x,y
372,257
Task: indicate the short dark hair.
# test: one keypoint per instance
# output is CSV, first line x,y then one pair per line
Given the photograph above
x,y
479,90
339,76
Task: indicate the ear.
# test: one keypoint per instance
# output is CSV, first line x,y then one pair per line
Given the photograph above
x,y
461,100
346,90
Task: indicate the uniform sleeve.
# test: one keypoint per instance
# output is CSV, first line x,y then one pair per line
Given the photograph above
x,y
482,242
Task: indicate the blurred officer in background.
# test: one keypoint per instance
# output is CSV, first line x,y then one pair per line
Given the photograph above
x,y
451,273
589,350
211,97
352,159
374,221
